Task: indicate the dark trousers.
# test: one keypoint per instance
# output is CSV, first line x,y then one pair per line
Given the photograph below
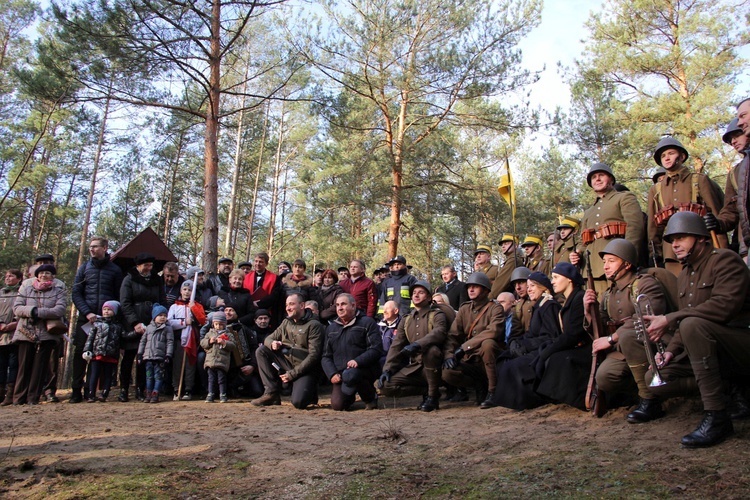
x,y
415,380
217,376
8,364
101,375
479,370
245,385
304,388
126,369
50,379
79,364
33,363
342,398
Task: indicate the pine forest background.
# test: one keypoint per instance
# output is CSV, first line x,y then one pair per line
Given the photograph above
x,y
331,130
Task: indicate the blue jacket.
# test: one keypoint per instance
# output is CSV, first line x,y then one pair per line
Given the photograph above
x,y
96,282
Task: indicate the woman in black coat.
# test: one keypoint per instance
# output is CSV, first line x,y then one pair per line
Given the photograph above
x,y
238,297
564,366
141,289
516,377
327,293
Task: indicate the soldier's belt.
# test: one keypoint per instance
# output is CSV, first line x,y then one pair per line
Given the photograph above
x,y
607,231
663,215
612,326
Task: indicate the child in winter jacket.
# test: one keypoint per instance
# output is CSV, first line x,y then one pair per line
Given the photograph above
x,y
155,349
102,350
218,346
185,318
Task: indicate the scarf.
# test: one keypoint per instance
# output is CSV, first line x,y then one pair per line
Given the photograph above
x,y
42,286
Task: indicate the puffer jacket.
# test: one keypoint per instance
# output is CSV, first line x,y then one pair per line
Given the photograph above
x,y
33,308
104,338
96,282
137,297
157,343
217,356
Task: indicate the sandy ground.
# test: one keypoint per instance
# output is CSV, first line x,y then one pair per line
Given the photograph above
x,y
198,450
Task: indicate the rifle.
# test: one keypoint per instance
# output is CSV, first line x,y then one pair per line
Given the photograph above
x,y
594,396
653,253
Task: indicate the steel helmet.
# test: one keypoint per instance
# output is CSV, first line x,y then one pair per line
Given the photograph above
x,y
623,249
732,128
600,167
669,143
420,283
481,279
520,274
685,223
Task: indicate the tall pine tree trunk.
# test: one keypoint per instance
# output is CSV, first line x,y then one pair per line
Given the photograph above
x,y
258,170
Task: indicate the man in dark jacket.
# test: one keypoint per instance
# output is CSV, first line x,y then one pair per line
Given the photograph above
x,y
141,289
96,282
243,373
291,355
350,355
452,287
396,288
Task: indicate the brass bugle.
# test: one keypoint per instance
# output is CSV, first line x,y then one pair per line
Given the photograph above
x,y
643,308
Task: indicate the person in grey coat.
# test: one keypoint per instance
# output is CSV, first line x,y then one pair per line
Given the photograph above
x,y
155,350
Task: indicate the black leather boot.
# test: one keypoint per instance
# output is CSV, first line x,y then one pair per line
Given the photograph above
x,y
76,396
139,394
740,405
123,397
424,398
488,403
648,410
430,404
459,395
715,428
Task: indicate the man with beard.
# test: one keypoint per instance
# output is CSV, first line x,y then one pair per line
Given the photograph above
x,y
96,282
475,340
412,365
291,355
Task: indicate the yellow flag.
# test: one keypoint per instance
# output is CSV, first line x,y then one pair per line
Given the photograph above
x,y
506,190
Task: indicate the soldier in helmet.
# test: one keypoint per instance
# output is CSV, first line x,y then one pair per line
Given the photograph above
x,y
680,185
475,340
524,305
610,207
712,319
508,244
626,360
731,217
566,243
534,254
412,365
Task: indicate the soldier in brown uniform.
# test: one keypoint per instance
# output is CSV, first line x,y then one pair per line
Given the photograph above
x,y
413,362
712,318
475,340
730,216
523,307
482,262
566,242
610,207
534,258
679,186
508,244
626,359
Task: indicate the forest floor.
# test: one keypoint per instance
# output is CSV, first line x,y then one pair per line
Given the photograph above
x,y
235,450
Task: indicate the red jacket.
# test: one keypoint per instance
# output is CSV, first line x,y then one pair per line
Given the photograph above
x,y
363,290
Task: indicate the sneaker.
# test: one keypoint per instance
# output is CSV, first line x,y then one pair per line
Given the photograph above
x,y
176,397
51,398
210,398
187,396
223,398
155,397
92,400
267,400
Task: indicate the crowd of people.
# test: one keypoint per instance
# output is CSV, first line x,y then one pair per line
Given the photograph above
x,y
635,307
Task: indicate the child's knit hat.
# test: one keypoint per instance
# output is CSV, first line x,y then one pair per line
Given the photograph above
x,y
219,316
157,310
112,304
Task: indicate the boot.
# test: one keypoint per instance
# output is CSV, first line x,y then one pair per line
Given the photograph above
x,y
420,405
123,397
740,405
488,403
648,410
715,428
3,388
146,396
155,396
267,399
76,396
481,391
8,395
139,394
430,404
459,396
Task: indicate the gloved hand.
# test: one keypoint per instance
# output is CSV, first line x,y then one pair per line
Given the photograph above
x,y
411,349
88,355
450,364
385,377
458,355
712,223
167,360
